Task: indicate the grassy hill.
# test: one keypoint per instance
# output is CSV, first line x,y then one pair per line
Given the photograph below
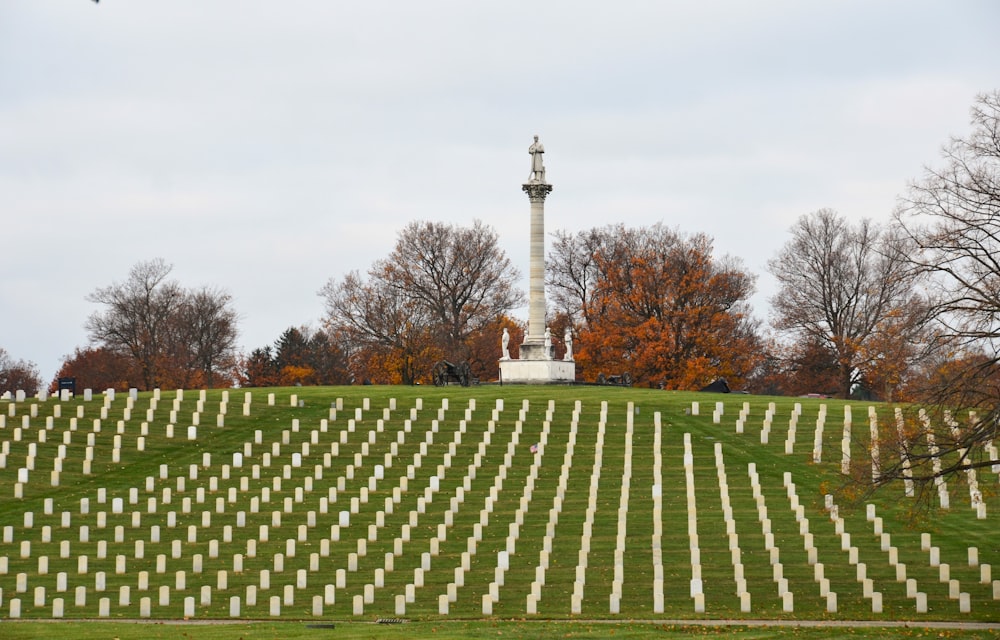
x,y
354,503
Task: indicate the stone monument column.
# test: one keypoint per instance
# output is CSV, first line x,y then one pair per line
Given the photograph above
x,y
533,347
535,365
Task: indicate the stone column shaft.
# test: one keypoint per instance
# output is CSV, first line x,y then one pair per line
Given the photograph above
x,y
536,297
536,281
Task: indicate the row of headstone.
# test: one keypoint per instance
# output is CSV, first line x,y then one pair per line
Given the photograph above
x,y
742,417
845,442
618,579
777,569
697,592
793,423
808,544
975,494
580,580
885,544
718,412
657,494
535,588
514,528
908,488
765,430
730,523
817,453
873,439
944,498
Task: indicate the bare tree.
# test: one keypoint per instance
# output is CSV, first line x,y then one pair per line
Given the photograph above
x,y
377,317
171,334
440,287
458,275
952,216
138,316
838,284
572,270
208,324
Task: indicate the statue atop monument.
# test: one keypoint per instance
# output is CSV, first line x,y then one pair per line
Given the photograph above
x,y
537,168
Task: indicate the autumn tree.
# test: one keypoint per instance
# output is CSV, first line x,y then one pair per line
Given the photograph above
x,y
327,360
98,368
485,349
952,217
300,356
259,368
171,335
807,366
18,375
657,304
846,288
292,357
440,286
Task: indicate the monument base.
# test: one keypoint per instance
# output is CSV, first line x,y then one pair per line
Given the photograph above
x,y
537,371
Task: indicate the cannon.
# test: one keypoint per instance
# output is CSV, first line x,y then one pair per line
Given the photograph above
x,y
623,380
444,372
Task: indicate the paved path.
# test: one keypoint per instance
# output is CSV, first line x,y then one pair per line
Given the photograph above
x,y
902,624
867,624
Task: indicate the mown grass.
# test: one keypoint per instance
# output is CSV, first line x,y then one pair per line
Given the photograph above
x,y
953,530
465,630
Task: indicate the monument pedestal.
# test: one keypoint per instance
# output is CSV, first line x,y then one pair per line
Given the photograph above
x,y
537,371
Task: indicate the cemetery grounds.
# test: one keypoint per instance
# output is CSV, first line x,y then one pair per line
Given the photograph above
x,y
580,512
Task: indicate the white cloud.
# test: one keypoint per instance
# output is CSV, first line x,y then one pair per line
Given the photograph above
x,y
264,147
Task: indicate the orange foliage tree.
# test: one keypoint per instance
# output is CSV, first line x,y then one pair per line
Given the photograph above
x,y
485,349
300,356
888,359
18,375
802,367
258,369
660,306
409,364
98,368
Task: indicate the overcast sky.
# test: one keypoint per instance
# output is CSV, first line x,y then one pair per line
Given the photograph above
x,y
265,147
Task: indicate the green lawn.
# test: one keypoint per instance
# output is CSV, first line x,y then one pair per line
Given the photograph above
x,y
460,630
427,487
